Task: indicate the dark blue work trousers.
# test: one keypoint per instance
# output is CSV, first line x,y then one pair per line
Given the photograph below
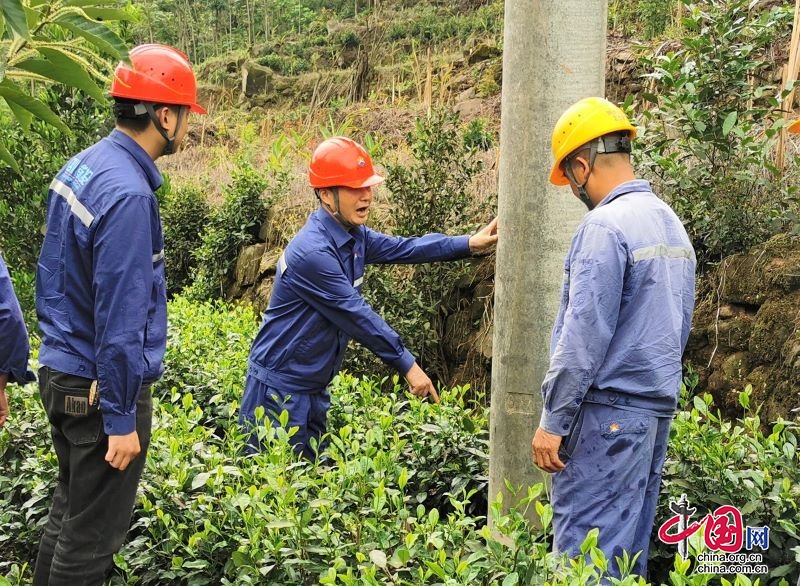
x,y
92,503
611,482
307,411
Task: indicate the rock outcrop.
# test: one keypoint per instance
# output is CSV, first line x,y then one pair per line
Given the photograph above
x,y
746,330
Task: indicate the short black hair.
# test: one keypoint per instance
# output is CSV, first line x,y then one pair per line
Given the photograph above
x,y
129,117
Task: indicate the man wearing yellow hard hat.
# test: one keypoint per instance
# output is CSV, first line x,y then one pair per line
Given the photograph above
x,y
615,355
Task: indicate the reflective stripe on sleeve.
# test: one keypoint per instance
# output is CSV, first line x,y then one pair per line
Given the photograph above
x,y
662,250
75,206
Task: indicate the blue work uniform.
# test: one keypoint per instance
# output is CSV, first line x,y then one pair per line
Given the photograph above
x,y
101,302
100,292
316,307
14,346
615,368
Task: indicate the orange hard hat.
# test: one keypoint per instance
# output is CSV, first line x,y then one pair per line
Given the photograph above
x,y
341,162
794,127
159,74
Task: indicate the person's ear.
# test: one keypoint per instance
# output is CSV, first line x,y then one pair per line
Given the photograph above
x,y
325,195
163,115
580,169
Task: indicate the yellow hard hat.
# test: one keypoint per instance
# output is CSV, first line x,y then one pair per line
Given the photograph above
x,y
794,127
585,120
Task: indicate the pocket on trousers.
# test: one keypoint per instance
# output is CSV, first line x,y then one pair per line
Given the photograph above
x,y
570,441
80,422
624,434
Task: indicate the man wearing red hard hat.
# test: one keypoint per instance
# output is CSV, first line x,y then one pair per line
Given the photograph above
x,y
316,305
102,308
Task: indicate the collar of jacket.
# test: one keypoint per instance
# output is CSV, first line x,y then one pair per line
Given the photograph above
x,y
634,186
341,237
140,155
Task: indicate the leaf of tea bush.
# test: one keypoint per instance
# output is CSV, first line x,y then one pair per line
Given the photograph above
x,y
400,557
279,524
200,480
241,558
511,580
436,569
781,571
700,405
378,558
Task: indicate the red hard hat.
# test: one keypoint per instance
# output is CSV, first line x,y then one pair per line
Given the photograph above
x,y
158,74
340,161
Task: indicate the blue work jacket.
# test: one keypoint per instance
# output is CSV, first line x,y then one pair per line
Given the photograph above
x,y
14,346
100,292
626,308
316,305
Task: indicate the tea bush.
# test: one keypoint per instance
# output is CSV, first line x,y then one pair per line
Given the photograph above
x,y
744,463
399,498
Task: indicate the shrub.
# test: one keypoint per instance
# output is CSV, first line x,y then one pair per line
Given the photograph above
x,y
477,137
207,348
431,195
710,132
649,18
230,227
184,215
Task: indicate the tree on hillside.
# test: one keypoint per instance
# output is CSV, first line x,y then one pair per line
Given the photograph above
x,y
61,41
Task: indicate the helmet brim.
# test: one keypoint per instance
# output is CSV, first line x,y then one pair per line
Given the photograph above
x,y
557,176
371,181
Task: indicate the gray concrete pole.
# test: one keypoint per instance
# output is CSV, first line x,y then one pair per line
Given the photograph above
x,y
553,55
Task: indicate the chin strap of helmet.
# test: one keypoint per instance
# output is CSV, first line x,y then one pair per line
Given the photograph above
x,y
169,148
334,211
610,143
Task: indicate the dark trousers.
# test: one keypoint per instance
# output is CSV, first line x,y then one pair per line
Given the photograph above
x,y
92,503
308,412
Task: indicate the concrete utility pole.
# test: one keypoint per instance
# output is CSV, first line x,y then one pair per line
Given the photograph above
x,y
553,55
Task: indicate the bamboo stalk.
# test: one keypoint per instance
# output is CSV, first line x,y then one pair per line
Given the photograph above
x,y
790,72
429,84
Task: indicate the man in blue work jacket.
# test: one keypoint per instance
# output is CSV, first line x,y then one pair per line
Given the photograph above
x,y
101,303
615,354
14,347
316,305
